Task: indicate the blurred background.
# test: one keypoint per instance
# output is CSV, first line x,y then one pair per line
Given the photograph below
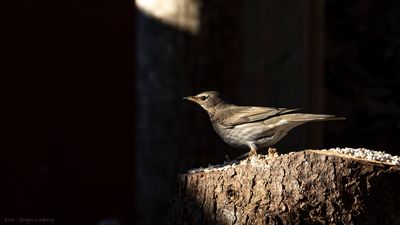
x,y
96,130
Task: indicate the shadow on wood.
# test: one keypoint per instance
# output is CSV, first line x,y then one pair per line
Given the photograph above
x,y
307,187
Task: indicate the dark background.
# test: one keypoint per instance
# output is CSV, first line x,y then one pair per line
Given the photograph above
x,y
94,123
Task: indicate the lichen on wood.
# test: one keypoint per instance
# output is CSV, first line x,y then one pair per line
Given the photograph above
x,y
307,187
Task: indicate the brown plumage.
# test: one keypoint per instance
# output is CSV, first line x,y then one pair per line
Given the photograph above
x,y
255,127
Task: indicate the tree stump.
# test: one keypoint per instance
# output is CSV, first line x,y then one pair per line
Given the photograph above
x,y
337,186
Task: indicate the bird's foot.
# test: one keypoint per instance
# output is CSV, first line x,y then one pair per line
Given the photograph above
x,y
272,152
252,153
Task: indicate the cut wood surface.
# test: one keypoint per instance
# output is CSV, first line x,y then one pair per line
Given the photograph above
x,y
339,186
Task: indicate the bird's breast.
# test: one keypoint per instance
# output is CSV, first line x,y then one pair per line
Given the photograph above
x,y
240,135
228,134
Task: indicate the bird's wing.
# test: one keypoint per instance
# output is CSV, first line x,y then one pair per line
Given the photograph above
x,y
242,114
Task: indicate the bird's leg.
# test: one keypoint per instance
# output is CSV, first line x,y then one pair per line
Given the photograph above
x,y
253,149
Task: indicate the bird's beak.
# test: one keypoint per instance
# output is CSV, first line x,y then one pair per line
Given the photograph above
x,y
190,98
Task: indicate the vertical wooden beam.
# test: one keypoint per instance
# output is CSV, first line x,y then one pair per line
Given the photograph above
x,y
183,47
314,66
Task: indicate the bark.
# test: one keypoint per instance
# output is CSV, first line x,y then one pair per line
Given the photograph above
x,y
307,187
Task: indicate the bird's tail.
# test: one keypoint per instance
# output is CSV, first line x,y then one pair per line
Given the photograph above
x,y
303,117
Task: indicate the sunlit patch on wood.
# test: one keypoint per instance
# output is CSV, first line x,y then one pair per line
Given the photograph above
x,y
182,14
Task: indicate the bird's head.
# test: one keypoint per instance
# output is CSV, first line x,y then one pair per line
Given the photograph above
x,y
208,100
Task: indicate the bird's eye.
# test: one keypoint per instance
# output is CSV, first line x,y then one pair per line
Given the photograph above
x,y
203,98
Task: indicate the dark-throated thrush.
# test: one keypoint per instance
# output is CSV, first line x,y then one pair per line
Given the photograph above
x,y
255,127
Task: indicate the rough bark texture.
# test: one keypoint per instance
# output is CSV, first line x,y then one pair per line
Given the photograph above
x,y
307,187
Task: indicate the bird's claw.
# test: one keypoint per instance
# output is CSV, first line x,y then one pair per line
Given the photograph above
x,y
253,152
272,152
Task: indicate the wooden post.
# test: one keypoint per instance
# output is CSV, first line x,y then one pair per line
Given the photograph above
x,y
307,187
182,47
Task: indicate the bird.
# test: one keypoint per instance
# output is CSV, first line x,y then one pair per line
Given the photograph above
x,y
252,127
